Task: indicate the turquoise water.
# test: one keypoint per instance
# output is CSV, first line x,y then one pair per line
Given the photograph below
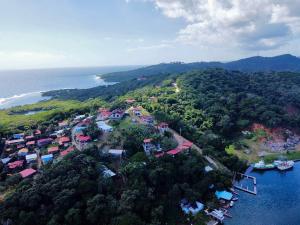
x,y
277,201
19,87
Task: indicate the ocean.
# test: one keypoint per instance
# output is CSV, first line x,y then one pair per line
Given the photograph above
x,y
276,203
20,87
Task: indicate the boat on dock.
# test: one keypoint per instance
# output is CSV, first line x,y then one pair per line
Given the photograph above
x,y
285,165
262,166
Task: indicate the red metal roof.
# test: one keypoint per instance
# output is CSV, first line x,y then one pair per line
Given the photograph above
x,y
53,149
67,151
64,140
174,151
15,164
30,143
27,172
82,138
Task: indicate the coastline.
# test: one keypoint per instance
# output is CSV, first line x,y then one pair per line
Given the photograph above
x,y
38,96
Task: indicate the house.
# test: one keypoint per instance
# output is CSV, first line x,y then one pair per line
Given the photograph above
x,y
107,173
83,139
189,208
14,142
163,127
79,117
15,164
103,114
64,124
148,120
5,160
31,158
29,138
63,140
27,172
208,169
148,146
23,152
43,142
47,158
137,111
67,151
30,143
38,132
18,136
184,146
19,146
117,114
79,129
116,152
53,150
104,127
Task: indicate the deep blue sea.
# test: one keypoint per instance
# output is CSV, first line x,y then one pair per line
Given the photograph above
x,y
277,201
19,87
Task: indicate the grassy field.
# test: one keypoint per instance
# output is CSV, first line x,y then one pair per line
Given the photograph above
x,y
11,120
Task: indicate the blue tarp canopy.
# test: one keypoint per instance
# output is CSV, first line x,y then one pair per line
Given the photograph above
x,y
47,158
224,195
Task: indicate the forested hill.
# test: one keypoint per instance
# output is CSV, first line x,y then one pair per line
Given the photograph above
x,y
253,64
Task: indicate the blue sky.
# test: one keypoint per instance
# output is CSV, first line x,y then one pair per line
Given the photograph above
x,y
63,33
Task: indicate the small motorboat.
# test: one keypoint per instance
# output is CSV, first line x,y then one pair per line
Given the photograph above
x,y
231,203
235,199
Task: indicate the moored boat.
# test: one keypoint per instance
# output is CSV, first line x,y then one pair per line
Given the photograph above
x,y
262,166
285,165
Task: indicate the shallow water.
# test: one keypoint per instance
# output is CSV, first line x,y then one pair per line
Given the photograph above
x,y
277,201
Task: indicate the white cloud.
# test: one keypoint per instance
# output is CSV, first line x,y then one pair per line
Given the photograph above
x,y
249,24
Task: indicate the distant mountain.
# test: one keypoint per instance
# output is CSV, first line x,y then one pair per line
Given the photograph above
x,y
278,63
253,64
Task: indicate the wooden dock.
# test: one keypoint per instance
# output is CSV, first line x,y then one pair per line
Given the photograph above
x,y
246,187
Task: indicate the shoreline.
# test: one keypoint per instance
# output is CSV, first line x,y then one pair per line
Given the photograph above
x,y
38,96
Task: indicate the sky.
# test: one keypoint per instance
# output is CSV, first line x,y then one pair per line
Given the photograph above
x,y
80,33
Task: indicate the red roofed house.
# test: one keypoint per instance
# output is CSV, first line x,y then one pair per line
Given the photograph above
x,y
27,172
29,138
15,164
53,149
38,132
63,140
67,151
117,114
83,139
30,143
104,114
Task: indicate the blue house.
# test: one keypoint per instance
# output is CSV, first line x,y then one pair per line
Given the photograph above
x,y
47,158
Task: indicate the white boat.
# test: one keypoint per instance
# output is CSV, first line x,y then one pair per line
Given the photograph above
x,y
231,203
285,165
262,166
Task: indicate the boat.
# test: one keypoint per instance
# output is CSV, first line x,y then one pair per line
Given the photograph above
x,y
231,203
262,166
235,199
285,165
